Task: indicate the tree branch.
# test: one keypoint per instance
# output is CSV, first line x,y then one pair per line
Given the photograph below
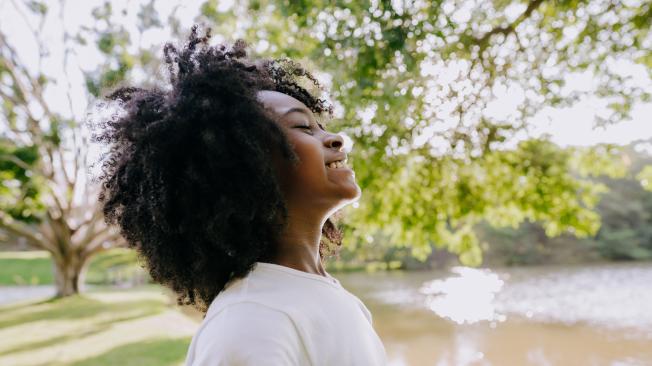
x,y
16,161
510,28
63,211
90,234
97,213
97,244
13,226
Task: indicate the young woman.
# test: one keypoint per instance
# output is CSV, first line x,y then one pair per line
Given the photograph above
x,y
226,183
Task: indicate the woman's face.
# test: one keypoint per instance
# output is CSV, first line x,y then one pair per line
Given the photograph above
x,y
311,182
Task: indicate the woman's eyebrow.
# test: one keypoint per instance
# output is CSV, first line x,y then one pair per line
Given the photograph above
x,y
304,111
298,109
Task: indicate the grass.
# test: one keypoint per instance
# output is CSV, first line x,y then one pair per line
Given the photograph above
x,y
35,267
114,264
25,268
140,326
166,351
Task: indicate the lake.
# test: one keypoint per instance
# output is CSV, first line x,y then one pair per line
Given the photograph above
x,y
550,315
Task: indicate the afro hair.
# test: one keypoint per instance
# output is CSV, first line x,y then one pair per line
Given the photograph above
x,y
188,177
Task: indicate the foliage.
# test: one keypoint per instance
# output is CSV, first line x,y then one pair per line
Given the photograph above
x,y
645,176
416,82
621,203
625,232
20,191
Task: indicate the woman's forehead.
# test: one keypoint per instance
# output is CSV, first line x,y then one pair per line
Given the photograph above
x,y
279,102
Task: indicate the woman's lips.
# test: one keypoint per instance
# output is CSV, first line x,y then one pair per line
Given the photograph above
x,y
343,168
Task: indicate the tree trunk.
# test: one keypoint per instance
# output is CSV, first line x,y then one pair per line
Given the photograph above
x,y
69,276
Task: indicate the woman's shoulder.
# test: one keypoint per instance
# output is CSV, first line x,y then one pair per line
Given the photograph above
x,y
245,312
247,333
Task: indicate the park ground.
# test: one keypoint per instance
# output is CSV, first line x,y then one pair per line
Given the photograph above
x,y
140,326
105,325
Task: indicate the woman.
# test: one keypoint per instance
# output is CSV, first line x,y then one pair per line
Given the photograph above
x,y
226,184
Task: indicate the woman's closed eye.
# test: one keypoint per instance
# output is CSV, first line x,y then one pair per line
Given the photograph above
x,y
309,128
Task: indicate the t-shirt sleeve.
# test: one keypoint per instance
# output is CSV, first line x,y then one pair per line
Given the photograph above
x,y
245,334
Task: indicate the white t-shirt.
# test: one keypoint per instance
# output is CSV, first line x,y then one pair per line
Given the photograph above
x,y
278,315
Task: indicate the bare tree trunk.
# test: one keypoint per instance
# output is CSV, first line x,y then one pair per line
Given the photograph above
x,y
70,276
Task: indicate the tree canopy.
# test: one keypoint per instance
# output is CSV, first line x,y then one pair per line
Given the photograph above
x,y
418,83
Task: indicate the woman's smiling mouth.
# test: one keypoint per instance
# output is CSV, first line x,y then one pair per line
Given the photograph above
x,y
339,164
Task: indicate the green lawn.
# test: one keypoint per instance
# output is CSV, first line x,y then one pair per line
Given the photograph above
x,y
25,268
141,326
35,267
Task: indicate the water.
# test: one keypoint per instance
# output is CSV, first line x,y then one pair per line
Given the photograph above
x,y
555,315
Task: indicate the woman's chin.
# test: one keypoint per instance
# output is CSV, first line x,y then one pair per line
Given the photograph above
x,y
352,193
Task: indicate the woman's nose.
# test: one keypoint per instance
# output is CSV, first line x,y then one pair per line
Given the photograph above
x,y
335,141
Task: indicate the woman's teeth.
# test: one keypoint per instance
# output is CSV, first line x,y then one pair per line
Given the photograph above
x,y
336,164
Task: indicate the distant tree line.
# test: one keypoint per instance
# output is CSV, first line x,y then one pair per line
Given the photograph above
x,y
625,232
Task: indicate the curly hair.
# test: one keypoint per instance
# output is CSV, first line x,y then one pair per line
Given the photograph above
x,y
188,177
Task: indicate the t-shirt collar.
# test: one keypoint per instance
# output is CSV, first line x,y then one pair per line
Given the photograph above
x,y
277,267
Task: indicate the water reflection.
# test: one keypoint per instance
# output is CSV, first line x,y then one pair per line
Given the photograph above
x,y
465,298
575,315
611,296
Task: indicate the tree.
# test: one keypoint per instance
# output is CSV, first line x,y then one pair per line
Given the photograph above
x,y
625,232
46,196
418,83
